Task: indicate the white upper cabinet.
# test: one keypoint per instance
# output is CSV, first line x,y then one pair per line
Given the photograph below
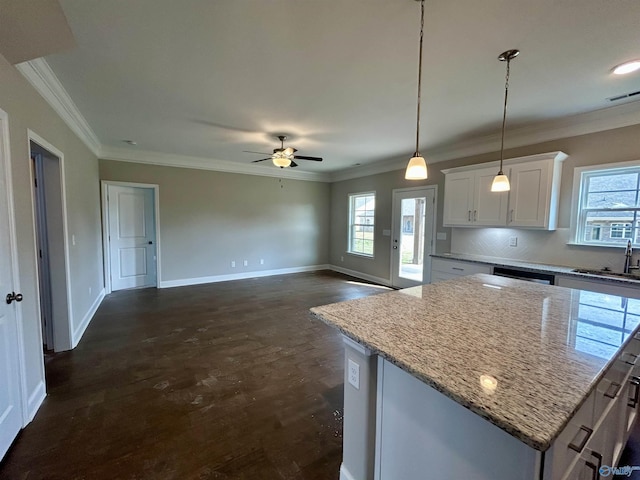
x,y
531,203
468,200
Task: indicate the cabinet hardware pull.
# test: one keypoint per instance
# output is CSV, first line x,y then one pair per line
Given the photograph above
x,y
457,268
635,359
633,401
595,474
469,216
613,394
578,448
475,215
511,216
599,457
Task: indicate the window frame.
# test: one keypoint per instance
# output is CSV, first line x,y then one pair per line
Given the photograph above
x,y
578,212
351,198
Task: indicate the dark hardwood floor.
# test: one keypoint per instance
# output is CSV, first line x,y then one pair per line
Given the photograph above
x,y
231,380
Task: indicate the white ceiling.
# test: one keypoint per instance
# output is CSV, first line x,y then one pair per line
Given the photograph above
x,y
209,79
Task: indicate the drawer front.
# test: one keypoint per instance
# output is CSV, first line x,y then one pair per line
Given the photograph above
x,y
571,442
458,268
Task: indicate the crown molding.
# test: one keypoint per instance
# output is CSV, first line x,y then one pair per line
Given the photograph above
x,y
609,118
200,163
41,77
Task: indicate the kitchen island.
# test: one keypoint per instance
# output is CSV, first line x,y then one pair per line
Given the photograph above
x,y
486,377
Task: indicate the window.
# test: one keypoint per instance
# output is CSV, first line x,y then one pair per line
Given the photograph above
x,y
362,209
609,206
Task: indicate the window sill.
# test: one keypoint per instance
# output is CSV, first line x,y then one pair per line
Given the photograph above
x,y
360,255
597,245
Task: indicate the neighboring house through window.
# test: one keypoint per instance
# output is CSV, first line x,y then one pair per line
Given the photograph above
x,y
362,209
608,203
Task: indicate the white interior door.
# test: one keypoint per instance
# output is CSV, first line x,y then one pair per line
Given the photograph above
x,y
132,237
10,407
411,243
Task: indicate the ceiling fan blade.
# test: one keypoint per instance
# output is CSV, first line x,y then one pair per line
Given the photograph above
x,y
293,164
261,160
301,157
261,153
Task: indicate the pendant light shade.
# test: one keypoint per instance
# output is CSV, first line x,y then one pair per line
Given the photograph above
x,y
501,181
417,167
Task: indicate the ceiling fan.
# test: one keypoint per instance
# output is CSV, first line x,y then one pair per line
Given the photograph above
x,y
283,157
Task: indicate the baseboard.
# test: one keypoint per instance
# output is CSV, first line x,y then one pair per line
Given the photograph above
x,y
183,282
344,473
79,331
35,400
363,276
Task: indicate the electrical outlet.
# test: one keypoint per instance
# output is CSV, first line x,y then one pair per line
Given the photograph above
x,y
262,261
73,239
89,290
246,263
342,258
233,264
441,236
354,374
513,241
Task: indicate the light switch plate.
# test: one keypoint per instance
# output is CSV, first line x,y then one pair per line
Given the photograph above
x,y
513,241
354,374
386,233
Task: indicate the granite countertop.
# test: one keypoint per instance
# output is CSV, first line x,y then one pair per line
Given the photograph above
x,y
522,334
535,267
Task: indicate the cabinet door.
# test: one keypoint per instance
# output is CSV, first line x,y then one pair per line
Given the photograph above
x,y
490,208
530,195
458,198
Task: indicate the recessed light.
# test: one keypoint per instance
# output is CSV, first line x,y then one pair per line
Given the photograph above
x,y
131,142
627,67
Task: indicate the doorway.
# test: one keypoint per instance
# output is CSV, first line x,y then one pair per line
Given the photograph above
x,y
130,226
413,217
51,244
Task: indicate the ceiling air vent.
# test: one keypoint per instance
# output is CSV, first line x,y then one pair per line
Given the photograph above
x,y
622,97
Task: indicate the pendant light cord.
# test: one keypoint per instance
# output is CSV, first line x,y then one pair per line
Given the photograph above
x,y
504,114
417,152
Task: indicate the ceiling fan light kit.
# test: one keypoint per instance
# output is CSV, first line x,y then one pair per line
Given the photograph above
x,y
283,157
501,181
417,167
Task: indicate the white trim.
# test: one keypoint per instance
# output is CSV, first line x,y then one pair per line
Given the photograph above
x,y
35,400
557,155
41,77
15,271
80,329
240,276
345,474
377,455
106,252
201,163
575,199
363,276
35,138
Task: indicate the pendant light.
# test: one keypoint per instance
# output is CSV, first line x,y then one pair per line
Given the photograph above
x,y
501,181
417,167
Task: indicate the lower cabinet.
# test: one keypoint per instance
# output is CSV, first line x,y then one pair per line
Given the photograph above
x,y
442,269
596,435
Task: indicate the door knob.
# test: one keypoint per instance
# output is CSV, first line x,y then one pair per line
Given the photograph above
x,y
13,296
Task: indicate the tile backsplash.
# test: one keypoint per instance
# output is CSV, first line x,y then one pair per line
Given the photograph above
x,y
546,247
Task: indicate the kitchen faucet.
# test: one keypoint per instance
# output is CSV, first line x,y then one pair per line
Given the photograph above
x,y
627,259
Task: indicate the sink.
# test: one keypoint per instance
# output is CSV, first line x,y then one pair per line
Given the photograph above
x,y
607,273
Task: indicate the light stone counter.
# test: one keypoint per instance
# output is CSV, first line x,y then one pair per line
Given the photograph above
x,y
529,337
